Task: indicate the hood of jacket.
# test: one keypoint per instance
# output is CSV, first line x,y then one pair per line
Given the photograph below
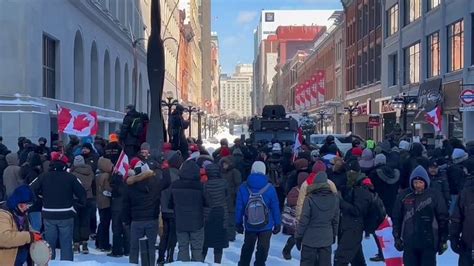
x,y
318,187
140,177
419,172
105,165
322,198
302,176
229,161
83,169
58,166
387,174
12,158
301,164
354,178
257,181
213,171
189,171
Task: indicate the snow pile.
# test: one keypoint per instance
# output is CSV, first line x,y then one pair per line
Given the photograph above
x,y
212,143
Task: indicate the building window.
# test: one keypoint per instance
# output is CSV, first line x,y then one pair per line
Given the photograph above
x,y
372,15
412,10
412,64
378,13
371,64
392,20
359,71
456,46
433,4
49,67
378,61
434,66
393,69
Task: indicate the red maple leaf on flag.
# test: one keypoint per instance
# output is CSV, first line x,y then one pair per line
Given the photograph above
x,y
81,122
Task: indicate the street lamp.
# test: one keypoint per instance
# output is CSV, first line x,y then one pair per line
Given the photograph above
x,y
190,109
322,116
169,103
404,103
351,109
200,113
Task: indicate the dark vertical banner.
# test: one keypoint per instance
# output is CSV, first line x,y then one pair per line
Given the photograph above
x,y
156,75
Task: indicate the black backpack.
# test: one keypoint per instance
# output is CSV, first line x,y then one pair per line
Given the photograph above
x,y
375,214
138,126
275,173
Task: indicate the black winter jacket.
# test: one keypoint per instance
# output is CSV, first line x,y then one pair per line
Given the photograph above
x,y
354,207
126,136
386,182
456,178
234,179
440,183
58,188
112,151
141,201
462,219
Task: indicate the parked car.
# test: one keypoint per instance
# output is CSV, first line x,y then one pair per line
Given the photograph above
x,y
343,142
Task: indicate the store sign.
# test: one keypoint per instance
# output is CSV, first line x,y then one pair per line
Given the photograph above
x,y
362,109
429,94
467,97
374,121
386,107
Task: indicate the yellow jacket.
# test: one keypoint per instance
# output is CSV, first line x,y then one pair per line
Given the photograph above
x,y
11,239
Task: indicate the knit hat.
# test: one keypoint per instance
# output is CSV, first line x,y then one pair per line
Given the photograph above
x,y
174,158
302,176
57,156
113,137
404,145
134,162
419,174
193,148
21,194
353,165
145,146
380,159
367,159
189,171
167,146
319,166
357,152
88,146
459,156
259,167
79,160
301,164
276,147
321,177
225,151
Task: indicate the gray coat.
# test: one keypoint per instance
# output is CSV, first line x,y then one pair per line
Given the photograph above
x,y
11,176
318,224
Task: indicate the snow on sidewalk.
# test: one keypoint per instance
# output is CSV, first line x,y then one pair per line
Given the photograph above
x,y
232,255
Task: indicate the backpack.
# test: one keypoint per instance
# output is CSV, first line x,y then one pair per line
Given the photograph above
x,y
138,126
275,174
256,211
375,215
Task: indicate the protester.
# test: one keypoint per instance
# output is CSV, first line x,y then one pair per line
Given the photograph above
x,y
29,171
15,234
355,144
120,232
12,174
90,156
42,148
461,233
141,208
366,161
318,225
72,146
216,213
420,221
187,200
224,143
58,189
84,174
113,149
258,223
274,166
300,166
386,181
130,131
457,174
337,174
234,179
178,125
104,193
439,181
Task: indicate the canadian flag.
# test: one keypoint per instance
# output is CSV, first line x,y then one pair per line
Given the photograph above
x,y
77,123
435,118
298,143
122,166
392,256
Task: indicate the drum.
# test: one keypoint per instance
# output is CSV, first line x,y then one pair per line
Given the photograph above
x,y
40,252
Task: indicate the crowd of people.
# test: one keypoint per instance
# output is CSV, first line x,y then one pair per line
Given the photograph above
x,y
197,201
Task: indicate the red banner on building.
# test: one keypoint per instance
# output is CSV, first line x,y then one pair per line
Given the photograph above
x,y
307,90
314,90
321,86
302,97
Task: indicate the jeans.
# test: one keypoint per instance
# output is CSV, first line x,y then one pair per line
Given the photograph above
x,y
103,235
168,238
93,218
315,256
121,235
263,245
419,257
139,229
82,223
195,240
454,199
35,221
217,254
62,229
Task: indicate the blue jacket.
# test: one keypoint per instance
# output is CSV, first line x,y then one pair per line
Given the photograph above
x,y
257,182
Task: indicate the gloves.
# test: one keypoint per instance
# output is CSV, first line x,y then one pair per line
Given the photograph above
x,y
107,193
443,246
298,243
35,236
399,244
276,229
457,246
239,228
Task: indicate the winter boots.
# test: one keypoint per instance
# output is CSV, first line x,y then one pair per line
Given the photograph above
x,y
85,250
76,248
290,243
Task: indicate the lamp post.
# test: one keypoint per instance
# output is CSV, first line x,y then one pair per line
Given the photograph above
x,y
200,113
169,103
405,103
322,116
351,109
190,109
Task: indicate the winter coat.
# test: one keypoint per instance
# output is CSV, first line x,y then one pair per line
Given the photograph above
x,y
178,126
354,204
102,181
187,199
142,198
234,179
255,182
301,165
12,176
420,220
462,218
112,151
118,186
456,178
10,237
275,170
216,213
292,197
338,177
318,224
304,192
440,183
126,136
86,176
386,182
58,188
30,171
166,192
91,159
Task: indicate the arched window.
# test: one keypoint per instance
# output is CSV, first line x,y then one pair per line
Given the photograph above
x,y
107,91
140,93
78,69
94,76
118,86
126,86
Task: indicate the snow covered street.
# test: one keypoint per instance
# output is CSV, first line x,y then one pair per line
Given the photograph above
x,y
232,254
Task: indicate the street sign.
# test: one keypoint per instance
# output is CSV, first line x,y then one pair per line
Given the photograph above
x,y
466,108
467,97
374,121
